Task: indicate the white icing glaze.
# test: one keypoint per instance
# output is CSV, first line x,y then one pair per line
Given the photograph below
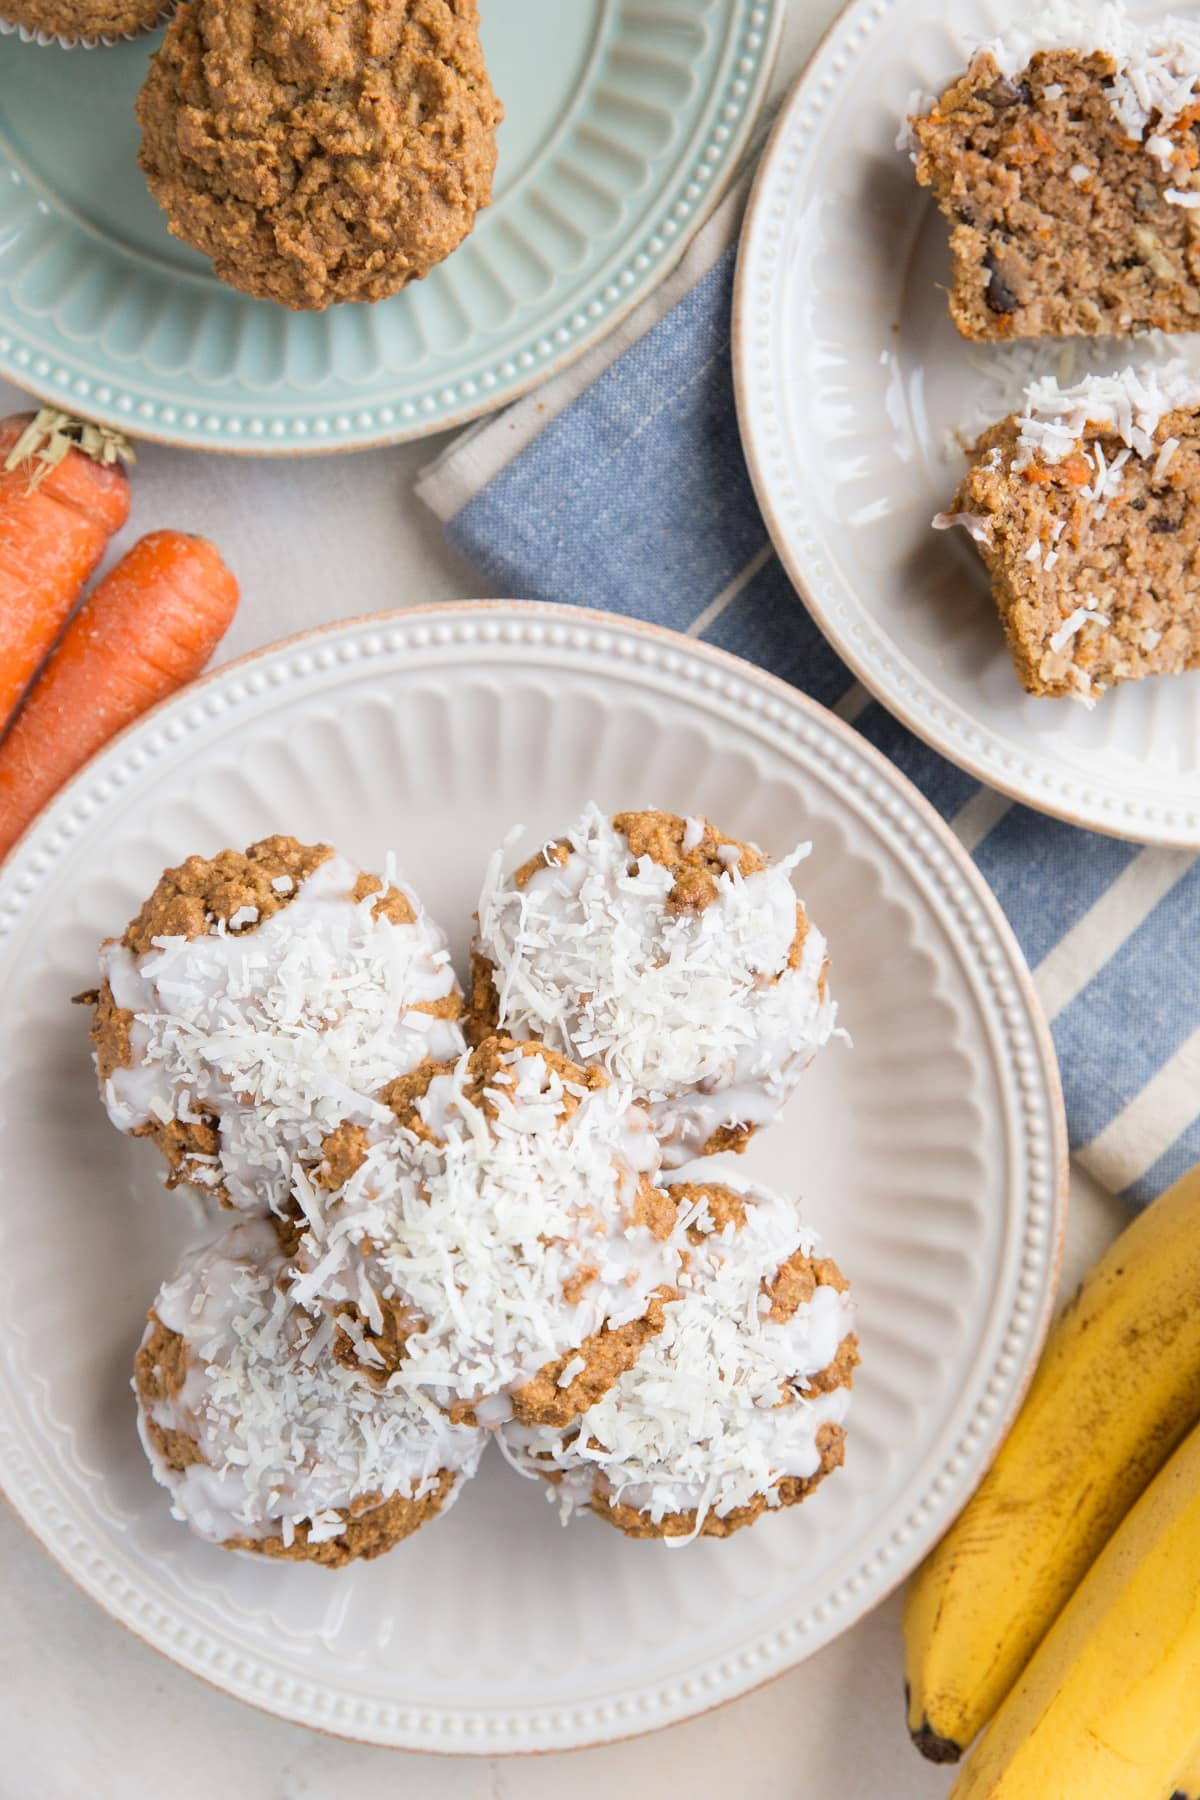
x,y
479,1230
288,1434
698,1011
281,1031
697,1422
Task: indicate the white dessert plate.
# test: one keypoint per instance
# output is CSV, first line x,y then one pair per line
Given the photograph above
x,y
931,1157
852,383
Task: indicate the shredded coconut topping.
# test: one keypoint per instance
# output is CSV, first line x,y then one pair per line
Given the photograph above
x,y
287,1435
716,1411
1156,64
698,1010
1131,403
506,1229
1083,615
978,528
279,1032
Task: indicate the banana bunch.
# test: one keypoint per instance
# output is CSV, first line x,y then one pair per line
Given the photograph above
x,y
1107,1706
1064,1603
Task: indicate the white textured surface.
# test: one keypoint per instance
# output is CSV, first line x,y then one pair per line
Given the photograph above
x,y
939,1203
851,380
87,1709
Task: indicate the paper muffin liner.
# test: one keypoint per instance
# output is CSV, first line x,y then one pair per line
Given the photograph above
x,y
102,42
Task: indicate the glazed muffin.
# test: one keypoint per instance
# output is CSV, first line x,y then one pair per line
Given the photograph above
x,y
736,1408
264,1440
258,1000
676,958
503,1248
83,22
319,154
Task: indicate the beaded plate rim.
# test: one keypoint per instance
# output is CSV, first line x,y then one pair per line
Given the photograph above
x,y
1104,803
549,347
547,635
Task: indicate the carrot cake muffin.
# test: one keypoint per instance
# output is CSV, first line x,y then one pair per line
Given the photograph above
x,y
82,21
504,1248
259,1000
264,1440
737,1406
1066,161
320,153
676,958
1086,511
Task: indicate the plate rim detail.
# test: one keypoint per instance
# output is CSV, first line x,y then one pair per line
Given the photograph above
x,y
755,28
1020,772
914,831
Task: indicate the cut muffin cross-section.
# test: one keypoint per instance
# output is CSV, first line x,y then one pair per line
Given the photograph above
x,y
1065,160
1085,509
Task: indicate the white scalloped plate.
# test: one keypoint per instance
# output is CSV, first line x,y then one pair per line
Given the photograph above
x,y
932,1158
850,380
624,124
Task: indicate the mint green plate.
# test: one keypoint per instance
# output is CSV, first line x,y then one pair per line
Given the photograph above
x,y
625,119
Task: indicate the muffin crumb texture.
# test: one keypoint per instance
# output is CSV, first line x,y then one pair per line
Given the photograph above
x,y
1071,207
83,21
1086,513
320,154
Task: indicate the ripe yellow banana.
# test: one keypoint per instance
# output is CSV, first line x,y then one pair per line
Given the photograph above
x,y
1106,1710
1185,1784
1117,1388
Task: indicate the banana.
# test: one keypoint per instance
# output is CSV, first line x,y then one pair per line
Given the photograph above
x,y
1106,1710
1117,1388
1185,1784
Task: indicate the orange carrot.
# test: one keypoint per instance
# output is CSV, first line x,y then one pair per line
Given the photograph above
x,y
1077,470
152,624
62,496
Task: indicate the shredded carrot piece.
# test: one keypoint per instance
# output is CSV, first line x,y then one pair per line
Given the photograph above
x,y
1040,136
1077,470
1037,472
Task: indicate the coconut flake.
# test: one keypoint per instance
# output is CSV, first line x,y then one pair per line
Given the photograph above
x,y
1165,457
279,1032
286,1434
1082,616
1130,403
506,1227
1156,65
718,1409
699,1011
977,527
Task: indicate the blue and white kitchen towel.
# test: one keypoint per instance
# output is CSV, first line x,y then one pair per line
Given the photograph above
x,y
622,485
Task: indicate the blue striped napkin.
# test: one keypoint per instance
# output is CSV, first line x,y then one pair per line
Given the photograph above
x,y
622,485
